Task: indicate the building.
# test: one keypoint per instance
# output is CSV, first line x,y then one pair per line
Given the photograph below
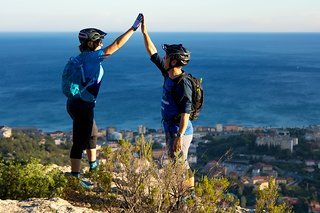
x,y
309,169
260,182
314,207
114,136
281,181
219,127
283,132
310,163
256,172
5,132
232,128
59,137
160,131
239,168
291,200
263,169
283,141
245,180
204,129
110,130
142,130
127,134
313,133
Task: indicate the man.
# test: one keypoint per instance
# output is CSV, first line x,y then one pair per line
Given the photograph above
x,y
176,100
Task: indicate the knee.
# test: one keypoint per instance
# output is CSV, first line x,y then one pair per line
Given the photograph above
x,y
76,152
93,142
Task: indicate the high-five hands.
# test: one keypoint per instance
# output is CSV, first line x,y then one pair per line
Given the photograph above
x,y
137,22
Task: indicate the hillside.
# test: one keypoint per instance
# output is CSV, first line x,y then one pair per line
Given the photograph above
x,y
128,179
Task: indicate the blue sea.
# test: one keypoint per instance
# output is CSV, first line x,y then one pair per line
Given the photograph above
x,y
249,79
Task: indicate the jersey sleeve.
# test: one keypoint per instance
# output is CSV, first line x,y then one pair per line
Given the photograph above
x,y
155,58
101,56
184,96
93,56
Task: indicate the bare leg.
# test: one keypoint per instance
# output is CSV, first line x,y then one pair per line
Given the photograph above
x,y
92,154
75,165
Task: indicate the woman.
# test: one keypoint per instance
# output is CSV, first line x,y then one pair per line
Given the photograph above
x,y
82,112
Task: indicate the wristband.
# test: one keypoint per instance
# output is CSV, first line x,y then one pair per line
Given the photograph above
x,y
179,135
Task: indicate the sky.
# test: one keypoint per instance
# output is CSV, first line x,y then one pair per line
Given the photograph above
x,y
162,15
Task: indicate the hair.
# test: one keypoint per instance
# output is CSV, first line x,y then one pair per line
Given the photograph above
x,y
84,47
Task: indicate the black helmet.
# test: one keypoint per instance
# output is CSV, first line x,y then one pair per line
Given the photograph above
x,y
91,34
177,52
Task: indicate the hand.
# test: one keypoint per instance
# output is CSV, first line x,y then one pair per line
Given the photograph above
x,y
137,22
177,145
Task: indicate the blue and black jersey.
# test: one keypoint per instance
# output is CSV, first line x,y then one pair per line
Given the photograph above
x,y
176,99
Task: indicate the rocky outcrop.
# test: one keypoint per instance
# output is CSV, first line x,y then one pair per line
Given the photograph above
x,y
41,205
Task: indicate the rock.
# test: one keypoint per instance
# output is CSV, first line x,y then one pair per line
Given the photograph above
x,y
40,205
63,169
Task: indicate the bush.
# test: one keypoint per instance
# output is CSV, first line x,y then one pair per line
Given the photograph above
x,y
142,185
267,200
24,145
212,196
25,179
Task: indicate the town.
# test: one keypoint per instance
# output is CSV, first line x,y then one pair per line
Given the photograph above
x,y
247,156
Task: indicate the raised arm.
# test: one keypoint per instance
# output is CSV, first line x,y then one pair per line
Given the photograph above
x,y
151,49
121,40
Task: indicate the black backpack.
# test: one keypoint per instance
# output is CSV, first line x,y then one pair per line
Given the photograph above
x,y
197,95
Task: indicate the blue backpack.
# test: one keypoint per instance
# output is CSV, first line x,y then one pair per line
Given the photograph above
x,y
74,84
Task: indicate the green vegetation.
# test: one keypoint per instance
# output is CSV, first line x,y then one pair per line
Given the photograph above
x,y
142,185
24,145
128,180
218,146
267,200
26,179
308,183
245,144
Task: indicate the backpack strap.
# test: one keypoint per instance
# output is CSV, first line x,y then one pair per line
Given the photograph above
x,y
183,75
77,61
83,77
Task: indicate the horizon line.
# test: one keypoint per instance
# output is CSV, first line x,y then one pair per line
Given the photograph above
x,y
257,32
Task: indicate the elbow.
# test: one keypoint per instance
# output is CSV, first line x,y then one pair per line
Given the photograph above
x,y
118,44
152,52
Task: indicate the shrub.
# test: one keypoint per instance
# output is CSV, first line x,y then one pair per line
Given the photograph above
x,y
144,186
212,196
267,200
25,179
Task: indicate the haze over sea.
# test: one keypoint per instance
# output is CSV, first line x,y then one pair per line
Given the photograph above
x,y
250,79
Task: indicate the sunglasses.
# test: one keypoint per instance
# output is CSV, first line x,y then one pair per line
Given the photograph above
x,y
98,41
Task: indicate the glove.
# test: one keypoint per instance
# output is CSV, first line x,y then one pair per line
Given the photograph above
x,y
137,22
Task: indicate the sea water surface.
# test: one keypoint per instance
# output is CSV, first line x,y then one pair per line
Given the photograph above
x,y
250,79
